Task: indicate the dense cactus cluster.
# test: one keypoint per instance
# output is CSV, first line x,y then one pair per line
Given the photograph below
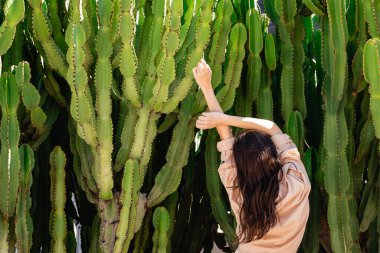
x,y
98,145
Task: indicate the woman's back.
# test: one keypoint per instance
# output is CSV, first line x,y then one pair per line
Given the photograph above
x,y
293,206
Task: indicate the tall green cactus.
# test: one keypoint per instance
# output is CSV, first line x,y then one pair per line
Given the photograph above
x,y
161,224
168,178
58,199
23,222
214,189
232,77
14,13
372,75
9,153
255,45
286,13
335,57
128,198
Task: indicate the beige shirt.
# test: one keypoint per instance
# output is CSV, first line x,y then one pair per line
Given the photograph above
x,y
294,189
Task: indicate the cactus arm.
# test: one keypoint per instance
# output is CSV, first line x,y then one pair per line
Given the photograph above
x,y
79,162
298,63
103,80
58,199
140,133
236,56
56,25
30,97
255,46
147,151
371,12
126,139
155,33
116,20
166,66
270,52
335,137
202,35
370,211
161,223
168,178
287,54
86,161
14,13
314,7
41,30
128,60
372,75
23,221
9,136
130,186
221,29
144,47
295,129
186,24
214,189
81,107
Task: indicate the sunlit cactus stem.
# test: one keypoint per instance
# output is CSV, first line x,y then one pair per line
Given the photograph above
x,y
214,188
128,199
58,199
23,222
42,32
335,136
238,38
161,223
30,97
286,12
9,136
255,46
103,80
14,13
169,177
372,75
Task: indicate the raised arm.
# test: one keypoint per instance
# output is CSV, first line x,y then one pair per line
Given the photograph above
x,y
202,75
262,125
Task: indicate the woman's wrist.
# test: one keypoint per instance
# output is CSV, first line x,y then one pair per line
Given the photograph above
x,y
207,88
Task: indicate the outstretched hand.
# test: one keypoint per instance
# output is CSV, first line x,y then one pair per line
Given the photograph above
x,y
208,120
202,74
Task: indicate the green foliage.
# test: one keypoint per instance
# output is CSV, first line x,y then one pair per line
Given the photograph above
x,y
111,83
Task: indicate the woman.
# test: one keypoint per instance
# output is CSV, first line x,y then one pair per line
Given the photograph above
x,y
263,174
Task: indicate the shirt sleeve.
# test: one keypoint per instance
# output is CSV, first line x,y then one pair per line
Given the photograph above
x,y
288,153
227,174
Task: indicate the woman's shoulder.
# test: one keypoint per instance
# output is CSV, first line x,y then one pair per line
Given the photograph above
x,y
294,186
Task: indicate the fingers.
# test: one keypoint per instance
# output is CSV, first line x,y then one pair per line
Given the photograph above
x,y
201,125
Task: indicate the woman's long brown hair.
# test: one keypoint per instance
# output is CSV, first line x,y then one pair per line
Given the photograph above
x,y
258,176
